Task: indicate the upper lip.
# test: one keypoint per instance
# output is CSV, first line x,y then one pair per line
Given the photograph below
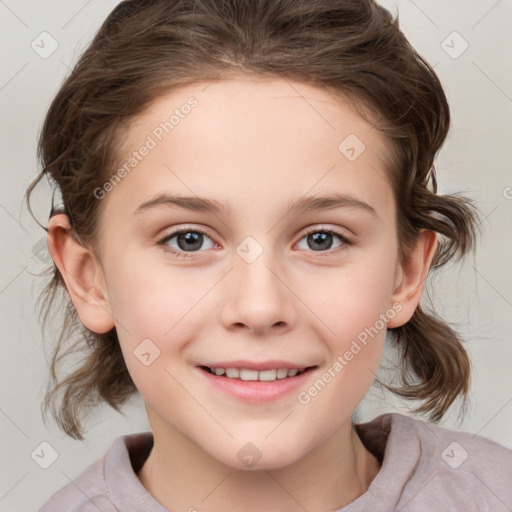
x,y
257,365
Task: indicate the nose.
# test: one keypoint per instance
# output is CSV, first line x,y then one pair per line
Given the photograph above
x,y
257,297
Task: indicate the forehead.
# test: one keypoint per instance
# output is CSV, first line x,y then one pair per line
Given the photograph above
x,y
254,107
252,138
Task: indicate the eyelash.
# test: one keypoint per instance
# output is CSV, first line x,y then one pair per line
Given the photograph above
x,y
182,254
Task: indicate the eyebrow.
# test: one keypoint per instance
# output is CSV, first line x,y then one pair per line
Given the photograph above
x,y
303,204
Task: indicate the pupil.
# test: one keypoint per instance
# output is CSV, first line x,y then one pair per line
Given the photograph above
x,y
193,240
319,238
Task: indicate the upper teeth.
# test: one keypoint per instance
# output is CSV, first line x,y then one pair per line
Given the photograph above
x,y
245,374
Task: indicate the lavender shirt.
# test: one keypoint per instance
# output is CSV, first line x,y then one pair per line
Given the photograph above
x,y
425,468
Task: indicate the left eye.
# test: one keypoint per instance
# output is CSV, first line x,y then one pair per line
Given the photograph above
x,y
322,240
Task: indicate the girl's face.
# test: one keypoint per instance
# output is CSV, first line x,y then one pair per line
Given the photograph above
x,y
310,286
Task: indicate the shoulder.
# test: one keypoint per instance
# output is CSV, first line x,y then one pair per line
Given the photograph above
x,y
429,467
458,450
456,468
85,493
108,482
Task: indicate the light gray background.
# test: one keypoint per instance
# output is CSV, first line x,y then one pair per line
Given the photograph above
x,y
476,297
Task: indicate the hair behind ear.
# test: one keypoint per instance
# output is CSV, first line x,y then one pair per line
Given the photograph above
x,y
102,375
441,367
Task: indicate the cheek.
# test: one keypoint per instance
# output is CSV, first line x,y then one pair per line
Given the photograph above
x,y
154,316
350,299
352,306
353,309
148,300
157,310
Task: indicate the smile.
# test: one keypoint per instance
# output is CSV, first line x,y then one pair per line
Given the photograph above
x,y
256,386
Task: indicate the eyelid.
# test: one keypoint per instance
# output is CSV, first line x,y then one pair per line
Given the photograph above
x,y
312,229
322,228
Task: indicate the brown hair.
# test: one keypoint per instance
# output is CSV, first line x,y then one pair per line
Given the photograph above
x,y
353,48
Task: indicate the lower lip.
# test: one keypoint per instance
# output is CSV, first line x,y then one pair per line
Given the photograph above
x,y
255,390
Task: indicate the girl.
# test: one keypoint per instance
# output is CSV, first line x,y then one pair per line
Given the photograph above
x,y
249,205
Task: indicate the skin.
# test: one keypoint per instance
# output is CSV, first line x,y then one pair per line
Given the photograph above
x,y
257,144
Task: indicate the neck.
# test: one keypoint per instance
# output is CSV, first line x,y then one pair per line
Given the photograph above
x,y
181,476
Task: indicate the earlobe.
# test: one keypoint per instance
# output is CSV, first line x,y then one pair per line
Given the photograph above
x,y
82,275
412,274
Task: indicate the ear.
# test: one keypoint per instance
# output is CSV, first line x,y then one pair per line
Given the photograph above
x,y
82,274
410,277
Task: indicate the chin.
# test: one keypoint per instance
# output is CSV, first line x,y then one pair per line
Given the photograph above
x,y
251,457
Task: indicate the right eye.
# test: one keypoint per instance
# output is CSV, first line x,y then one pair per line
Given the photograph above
x,y
182,242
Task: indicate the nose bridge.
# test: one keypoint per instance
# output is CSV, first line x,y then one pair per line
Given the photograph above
x,y
258,297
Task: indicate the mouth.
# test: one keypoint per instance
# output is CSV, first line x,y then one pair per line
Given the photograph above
x,y
256,386
256,382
